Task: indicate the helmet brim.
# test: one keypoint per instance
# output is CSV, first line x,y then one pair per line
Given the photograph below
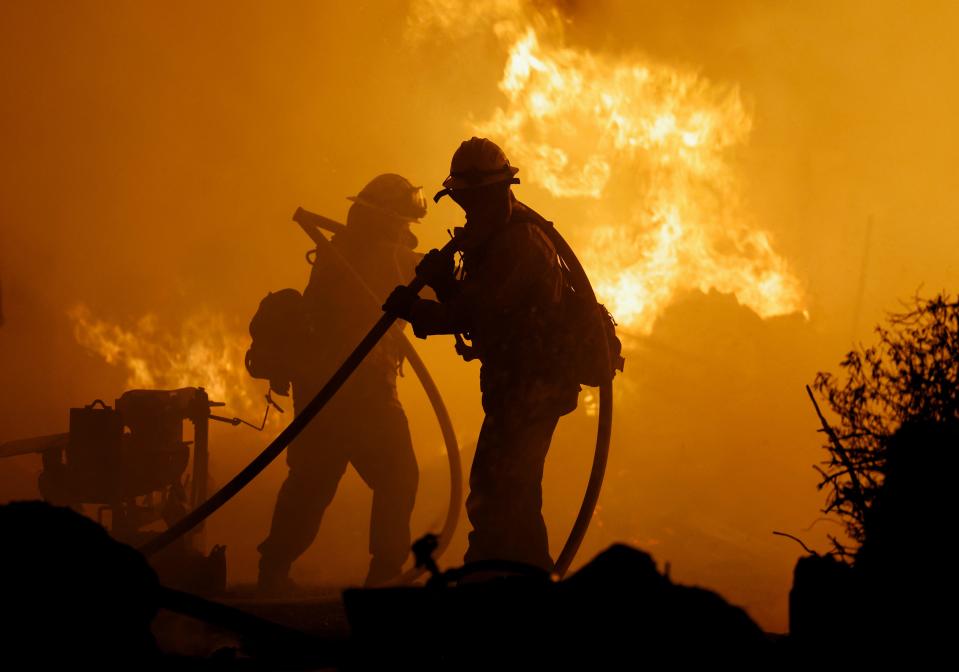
x,y
480,180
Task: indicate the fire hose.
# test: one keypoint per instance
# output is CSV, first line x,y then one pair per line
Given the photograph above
x,y
291,431
604,429
580,283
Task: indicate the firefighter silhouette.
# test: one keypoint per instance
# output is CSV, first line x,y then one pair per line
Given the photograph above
x,y
507,300
299,341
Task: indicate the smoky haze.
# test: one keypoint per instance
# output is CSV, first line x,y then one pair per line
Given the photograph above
x,y
154,152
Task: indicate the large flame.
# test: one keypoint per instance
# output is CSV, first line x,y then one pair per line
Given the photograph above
x,y
648,147
205,352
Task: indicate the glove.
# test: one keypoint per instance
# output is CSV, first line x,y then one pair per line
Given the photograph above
x,y
400,302
436,271
436,268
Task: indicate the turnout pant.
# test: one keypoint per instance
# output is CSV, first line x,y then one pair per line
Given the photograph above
x,y
506,496
374,437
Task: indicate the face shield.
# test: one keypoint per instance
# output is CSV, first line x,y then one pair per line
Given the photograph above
x,y
403,201
418,201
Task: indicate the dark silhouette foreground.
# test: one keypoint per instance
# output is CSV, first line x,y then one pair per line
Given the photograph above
x,y
73,595
71,592
898,592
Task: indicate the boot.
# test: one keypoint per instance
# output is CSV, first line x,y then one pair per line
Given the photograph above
x,y
274,580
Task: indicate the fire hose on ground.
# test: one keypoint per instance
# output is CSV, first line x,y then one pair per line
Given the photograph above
x,y
580,284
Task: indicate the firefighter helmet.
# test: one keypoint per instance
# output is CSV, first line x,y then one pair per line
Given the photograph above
x,y
476,163
393,195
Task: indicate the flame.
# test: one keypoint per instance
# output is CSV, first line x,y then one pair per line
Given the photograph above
x,y
206,353
648,147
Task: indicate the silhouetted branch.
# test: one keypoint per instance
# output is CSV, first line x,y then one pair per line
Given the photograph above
x,y
840,451
797,540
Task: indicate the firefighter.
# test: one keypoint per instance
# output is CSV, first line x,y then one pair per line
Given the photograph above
x,y
364,425
506,299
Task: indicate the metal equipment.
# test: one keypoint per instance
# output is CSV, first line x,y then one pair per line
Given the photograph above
x,y
131,462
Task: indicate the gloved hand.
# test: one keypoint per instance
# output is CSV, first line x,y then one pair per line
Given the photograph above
x,y
400,302
436,270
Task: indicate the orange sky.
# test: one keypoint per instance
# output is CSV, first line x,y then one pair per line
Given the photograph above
x,y
154,151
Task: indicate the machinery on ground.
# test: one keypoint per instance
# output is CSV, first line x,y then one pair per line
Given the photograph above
x,y
134,468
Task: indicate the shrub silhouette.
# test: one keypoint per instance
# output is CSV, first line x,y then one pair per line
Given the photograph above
x,y
907,379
